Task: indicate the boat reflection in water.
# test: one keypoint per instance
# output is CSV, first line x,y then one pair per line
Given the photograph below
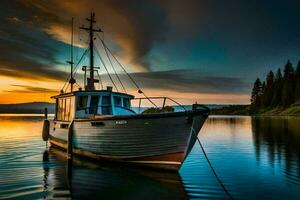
x,y
81,178
279,138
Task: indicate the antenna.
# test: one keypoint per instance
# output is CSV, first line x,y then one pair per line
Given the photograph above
x,y
90,81
72,81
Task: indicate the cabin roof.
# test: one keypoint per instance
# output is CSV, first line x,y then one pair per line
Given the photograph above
x,y
87,92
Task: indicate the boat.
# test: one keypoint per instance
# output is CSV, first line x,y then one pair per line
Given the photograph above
x,y
103,124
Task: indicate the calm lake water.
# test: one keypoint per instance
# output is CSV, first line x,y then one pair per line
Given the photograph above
x,y
256,158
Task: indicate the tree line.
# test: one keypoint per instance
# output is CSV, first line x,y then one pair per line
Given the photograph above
x,y
277,90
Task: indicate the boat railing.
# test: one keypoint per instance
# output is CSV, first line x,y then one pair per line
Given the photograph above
x,y
156,102
93,110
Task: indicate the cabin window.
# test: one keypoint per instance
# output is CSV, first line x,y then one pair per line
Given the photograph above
x,y
126,102
117,101
72,107
82,102
62,108
106,100
65,109
59,114
94,105
106,105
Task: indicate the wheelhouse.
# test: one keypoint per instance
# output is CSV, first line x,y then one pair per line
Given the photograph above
x,y
85,104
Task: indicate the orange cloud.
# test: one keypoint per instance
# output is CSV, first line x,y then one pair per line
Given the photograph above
x,y
63,33
21,97
14,90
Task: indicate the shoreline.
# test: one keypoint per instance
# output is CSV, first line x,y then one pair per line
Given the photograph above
x,y
293,110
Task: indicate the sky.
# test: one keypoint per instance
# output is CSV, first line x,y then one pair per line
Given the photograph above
x,y
205,51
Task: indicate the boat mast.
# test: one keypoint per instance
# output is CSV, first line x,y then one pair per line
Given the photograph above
x,y
72,81
90,81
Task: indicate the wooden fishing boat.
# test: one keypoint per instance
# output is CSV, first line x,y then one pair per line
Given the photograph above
x,y
103,124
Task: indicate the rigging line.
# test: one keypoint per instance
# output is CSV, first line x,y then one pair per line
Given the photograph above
x,y
136,85
110,64
75,69
78,85
76,66
75,83
65,83
100,79
67,86
113,67
106,69
212,169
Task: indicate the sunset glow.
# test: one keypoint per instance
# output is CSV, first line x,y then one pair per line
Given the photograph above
x,y
190,56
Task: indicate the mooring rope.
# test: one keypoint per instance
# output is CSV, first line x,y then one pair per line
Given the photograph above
x,y
213,170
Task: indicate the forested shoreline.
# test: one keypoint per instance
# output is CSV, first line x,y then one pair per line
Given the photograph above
x,y
277,95
278,92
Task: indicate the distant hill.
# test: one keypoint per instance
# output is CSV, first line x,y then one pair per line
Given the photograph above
x,y
32,107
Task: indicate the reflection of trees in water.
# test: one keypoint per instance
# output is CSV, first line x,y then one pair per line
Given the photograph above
x,y
280,137
231,122
226,125
85,179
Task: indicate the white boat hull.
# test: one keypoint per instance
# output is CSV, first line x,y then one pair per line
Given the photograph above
x,y
155,140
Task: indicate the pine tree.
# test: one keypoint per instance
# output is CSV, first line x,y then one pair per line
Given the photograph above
x,y
256,93
278,82
297,81
262,94
288,90
269,90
